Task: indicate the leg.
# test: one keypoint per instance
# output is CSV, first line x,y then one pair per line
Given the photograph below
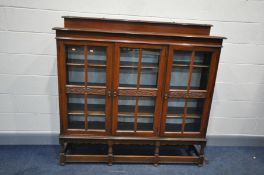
x,y
62,153
156,160
110,153
202,157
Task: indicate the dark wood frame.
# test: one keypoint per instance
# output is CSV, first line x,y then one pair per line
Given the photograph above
x,y
114,34
152,92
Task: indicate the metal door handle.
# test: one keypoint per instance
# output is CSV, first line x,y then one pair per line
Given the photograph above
x,y
109,93
165,96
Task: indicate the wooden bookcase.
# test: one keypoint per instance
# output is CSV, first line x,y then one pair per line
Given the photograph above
x,y
134,91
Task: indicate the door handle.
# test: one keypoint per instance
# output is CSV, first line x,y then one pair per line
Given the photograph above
x,y
114,93
165,96
109,93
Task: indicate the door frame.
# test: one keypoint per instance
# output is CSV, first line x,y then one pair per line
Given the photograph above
x,y
127,91
65,89
196,94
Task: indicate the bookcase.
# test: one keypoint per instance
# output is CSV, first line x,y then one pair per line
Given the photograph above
x,y
134,91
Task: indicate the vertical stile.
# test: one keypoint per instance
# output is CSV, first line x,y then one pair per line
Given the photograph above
x,y
115,85
86,82
188,89
138,85
62,80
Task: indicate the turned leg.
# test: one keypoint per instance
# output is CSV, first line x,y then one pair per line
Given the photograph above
x,y
202,157
156,160
62,153
110,153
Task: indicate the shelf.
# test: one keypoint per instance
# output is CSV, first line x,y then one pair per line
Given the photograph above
x,y
139,114
92,113
142,67
74,64
91,63
130,108
190,116
134,65
154,87
194,65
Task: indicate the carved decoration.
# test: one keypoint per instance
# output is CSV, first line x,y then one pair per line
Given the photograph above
x,y
83,90
191,94
135,92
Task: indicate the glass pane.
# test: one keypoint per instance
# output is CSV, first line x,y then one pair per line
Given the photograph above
x,y
194,115
75,103
149,68
127,109
96,66
129,56
173,124
96,56
182,57
96,122
126,105
146,105
127,77
125,122
150,58
74,54
96,104
179,77
202,58
175,106
76,122
199,78
174,114
195,106
148,78
192,125
75,75
145,123
128,71
96,76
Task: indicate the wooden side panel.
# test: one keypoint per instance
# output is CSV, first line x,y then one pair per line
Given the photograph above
x,y
61,85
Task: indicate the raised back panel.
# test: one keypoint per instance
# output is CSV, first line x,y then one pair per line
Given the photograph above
x,y
136,26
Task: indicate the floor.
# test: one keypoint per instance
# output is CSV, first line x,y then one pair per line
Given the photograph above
x,y
40,160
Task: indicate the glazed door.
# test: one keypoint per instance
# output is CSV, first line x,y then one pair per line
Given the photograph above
x,y
88,81
138,79
189,80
